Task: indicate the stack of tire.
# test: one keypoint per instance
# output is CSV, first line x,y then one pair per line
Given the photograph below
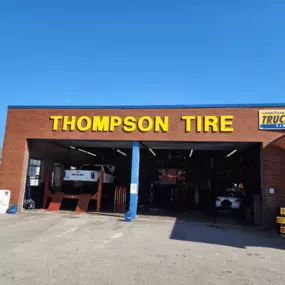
x,y
280,219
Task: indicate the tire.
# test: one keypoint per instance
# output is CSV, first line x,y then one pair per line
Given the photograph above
x,y
29,204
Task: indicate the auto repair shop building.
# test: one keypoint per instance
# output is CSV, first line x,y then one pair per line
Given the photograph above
x,y
248,137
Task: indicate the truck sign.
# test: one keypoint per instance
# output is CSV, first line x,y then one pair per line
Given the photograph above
x,y
272,119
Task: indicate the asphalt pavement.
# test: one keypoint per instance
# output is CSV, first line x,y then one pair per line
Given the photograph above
x,y
67,248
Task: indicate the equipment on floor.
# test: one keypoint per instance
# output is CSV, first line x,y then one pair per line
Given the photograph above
x,y
128,216
13,209
120,199
29,203
4,200
280,219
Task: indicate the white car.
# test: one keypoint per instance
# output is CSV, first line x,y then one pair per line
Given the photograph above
x,y
230,200
90,173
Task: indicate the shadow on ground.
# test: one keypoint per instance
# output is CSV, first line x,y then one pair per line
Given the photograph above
x,y
240,237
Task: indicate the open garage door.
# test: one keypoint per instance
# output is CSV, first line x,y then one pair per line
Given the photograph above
x,y
59,157
215,182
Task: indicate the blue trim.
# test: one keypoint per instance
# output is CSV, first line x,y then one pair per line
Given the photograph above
x,y
133,205
151,106
135,177
135,162
272,126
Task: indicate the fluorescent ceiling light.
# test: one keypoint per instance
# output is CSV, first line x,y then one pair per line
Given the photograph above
x,y
191,152
231,153
121,152
152,151
72,147
90,153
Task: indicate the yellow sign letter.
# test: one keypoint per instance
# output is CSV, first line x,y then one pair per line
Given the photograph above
x,y
100,124
115,122
211,122
129,124
188,120
161,124
55,122
70,123
141,126
226,123
199,124
87,124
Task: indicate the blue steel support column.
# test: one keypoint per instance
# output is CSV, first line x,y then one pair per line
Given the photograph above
x,y
135,178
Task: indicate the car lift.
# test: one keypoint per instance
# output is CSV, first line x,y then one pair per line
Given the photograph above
x,y
83,199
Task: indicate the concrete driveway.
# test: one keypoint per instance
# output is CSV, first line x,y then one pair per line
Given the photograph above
x,y
66,248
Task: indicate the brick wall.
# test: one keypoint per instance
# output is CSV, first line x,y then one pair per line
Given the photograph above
x,y
273,159
36,123
23,124
13,170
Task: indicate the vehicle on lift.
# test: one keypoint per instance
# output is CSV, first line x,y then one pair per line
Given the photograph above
x,y
231,199
171,176
90,173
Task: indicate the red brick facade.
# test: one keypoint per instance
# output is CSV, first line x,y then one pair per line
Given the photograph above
x,y
23,124
273,161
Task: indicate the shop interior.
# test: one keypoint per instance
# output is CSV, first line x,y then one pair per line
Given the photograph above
x,y
176,178
187,179
58,156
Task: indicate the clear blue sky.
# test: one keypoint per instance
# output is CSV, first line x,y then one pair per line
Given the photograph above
x,y
141,52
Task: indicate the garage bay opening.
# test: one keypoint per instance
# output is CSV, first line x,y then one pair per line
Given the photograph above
x,y
211,182
204,182
78,175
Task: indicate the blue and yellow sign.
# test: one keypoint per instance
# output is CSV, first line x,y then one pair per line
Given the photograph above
x,y
272,119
